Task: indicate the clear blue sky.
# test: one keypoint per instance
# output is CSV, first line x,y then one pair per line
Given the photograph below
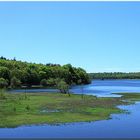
x,y
98,36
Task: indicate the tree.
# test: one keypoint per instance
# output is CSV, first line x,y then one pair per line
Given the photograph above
x,y
42,74
15,82
33,77
2,58
51,82
16,73
3,83
4,72
31,74
63,86
43,82
115,75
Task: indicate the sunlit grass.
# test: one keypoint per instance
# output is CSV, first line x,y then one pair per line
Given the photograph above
x,y
53,108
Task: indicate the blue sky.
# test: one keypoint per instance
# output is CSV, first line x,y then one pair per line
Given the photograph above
x,y
98,36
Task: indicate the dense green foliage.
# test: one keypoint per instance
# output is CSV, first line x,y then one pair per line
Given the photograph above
x,y
43,82
18,73
3,83
63,86
115,75
15,82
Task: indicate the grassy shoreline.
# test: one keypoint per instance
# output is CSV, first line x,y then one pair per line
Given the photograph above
x,y
53,108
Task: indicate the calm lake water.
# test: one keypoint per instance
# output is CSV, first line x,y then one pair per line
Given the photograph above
x,y
119,126
100,88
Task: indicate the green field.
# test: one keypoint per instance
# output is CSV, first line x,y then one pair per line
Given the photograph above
x,y
54,108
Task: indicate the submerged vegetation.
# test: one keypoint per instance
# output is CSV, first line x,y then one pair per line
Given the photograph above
x,y
53,108
15,73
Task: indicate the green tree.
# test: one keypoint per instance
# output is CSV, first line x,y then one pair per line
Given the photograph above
x,y
42,74
15,82
3,83
63,86
16,73
33,77
43,82
51,82
31,74
4,72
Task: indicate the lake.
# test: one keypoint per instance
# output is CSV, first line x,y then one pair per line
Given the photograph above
x,y
100,88
118,126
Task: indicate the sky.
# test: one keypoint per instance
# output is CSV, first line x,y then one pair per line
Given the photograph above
x,y
97,36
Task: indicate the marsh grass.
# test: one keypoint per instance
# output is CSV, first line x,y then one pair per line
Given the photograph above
x,y
2,94
21,109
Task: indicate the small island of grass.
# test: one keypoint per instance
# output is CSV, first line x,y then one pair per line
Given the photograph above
x,y
54,108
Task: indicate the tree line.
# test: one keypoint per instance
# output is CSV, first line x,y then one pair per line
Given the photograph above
x,y
15,74
115,75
